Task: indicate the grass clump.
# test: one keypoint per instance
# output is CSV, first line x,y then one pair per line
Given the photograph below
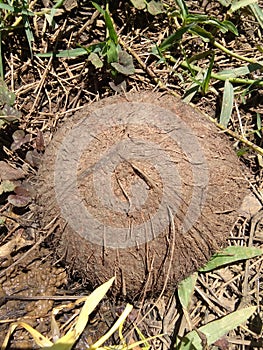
x,y
194,340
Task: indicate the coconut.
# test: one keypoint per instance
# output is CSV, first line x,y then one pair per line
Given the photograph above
x,y
143,187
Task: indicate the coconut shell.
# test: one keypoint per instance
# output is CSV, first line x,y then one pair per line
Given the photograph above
x,y
144,187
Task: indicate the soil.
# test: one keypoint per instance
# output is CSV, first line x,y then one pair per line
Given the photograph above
x,y
49,91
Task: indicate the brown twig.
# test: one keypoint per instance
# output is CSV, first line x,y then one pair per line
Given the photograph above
x,y
162,85
41,240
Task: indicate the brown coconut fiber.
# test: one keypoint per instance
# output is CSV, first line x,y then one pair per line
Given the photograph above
x,y
144,188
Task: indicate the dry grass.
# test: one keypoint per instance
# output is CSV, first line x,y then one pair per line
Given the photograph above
x,y
49,90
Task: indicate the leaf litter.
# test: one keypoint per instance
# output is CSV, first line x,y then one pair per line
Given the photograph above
x,y
47,94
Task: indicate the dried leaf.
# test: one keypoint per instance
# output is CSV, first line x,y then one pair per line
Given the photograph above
x,y
222,344
18,135
155,7
6,249
7,172
237,4
21,198
40,143
124,64
70,4
6,97
15,243
95,60
9,113
119,87
7,186
19,138
33,158
139,4
250,206
38,337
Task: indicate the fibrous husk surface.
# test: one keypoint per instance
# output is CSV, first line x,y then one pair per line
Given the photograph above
x,y
143,187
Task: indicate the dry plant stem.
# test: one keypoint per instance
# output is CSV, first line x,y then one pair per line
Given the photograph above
x,y
43,297
40,85
16,157
210,303
142,64
41,240
246,142
87,24
255,220
162,85
230,53
19,19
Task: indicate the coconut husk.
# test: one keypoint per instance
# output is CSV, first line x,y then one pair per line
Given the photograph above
x,y
144,187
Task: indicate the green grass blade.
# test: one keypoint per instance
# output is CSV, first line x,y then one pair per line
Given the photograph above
x,y
29,33
173,38
227,103
259,122
215,330
237,72
6,7
53,11
112,52
194,87
204,19
204,34
184,9
121,319
27,12
191,91
196,18
186,289
208,73
98,7
258,13
40,340
195,68
65,53
109,24
230,255
230,26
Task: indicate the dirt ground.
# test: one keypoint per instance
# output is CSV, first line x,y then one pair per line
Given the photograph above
x,y
48,91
